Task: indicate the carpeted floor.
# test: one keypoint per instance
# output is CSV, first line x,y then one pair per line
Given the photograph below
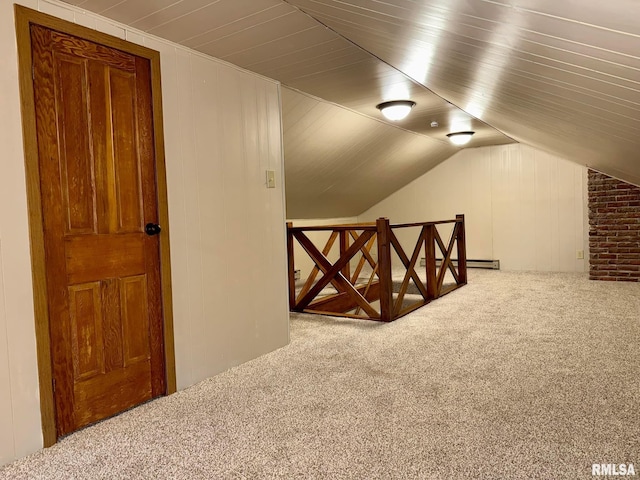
x,y
516,375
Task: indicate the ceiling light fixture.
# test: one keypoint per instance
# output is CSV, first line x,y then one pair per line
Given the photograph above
x,y
460,138
396,109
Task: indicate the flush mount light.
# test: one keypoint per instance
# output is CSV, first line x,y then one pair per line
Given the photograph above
x,y
460,138
396,109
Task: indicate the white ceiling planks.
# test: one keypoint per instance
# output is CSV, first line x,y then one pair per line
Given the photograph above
x,y
343,162
356,162
563,76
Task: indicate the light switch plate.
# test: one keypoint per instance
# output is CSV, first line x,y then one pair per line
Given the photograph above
x,y
271,179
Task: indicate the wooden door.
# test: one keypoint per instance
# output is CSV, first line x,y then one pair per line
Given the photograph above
x,y
98,185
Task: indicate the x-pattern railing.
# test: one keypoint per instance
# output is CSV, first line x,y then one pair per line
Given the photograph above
x,y
373,296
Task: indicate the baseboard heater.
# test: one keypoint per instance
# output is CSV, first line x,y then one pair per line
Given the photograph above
x,y
490,264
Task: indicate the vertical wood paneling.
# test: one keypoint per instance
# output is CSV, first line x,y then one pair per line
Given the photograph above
x,y
209,161
135,37
190,118
214,224
76,166
568,222
85,20
129,199
543,218
87,344
176,95
479,215
581,235
522,206
527,228
229,132
60,11
270,125
7,447
504,185
110,28
254,120
18,292
101,130
111,324
135,319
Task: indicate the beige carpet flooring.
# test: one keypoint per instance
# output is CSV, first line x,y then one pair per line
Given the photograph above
x,y
515,376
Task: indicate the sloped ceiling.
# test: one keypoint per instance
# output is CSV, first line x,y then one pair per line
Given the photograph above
x,y
559,75
353,163
563,76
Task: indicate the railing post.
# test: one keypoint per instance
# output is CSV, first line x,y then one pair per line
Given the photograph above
x,y
462,251
384,269
292,268
430,261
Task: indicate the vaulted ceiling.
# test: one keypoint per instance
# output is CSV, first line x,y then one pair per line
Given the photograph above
x,y
560,75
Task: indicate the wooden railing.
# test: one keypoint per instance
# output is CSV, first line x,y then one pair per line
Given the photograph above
x,y
371,275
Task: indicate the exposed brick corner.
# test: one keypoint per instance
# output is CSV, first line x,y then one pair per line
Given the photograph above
x,y
614,229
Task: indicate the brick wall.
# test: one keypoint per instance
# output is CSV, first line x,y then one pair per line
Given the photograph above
x,y
614,229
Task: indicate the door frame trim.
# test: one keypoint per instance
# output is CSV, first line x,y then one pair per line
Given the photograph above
x,y
24,18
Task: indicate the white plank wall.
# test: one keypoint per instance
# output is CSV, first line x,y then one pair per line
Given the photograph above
x,y
20,432
522,206
228,249
7,448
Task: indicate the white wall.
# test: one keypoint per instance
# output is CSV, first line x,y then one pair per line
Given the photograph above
x,y
228,249
20,431
522,206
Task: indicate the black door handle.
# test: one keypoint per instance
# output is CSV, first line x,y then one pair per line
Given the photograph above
x,y
152,229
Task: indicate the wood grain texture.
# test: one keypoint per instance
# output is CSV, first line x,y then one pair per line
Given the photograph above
x,y
461,244
315,270
430,259
364,258
112,324
68,182
147,169
384,269
29,96
291,267
342,302
77,175
410,265
157,127
135,319
104,256
352,296
332,272
34,198
87,333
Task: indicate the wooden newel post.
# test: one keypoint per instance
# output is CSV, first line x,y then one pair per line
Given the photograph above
x,y
430,261
462,250
292,267
384,269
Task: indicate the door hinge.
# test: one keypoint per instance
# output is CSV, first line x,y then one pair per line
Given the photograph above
x,y
54,384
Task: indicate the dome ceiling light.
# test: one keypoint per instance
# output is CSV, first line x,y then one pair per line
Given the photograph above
x,y
460,138
396,109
